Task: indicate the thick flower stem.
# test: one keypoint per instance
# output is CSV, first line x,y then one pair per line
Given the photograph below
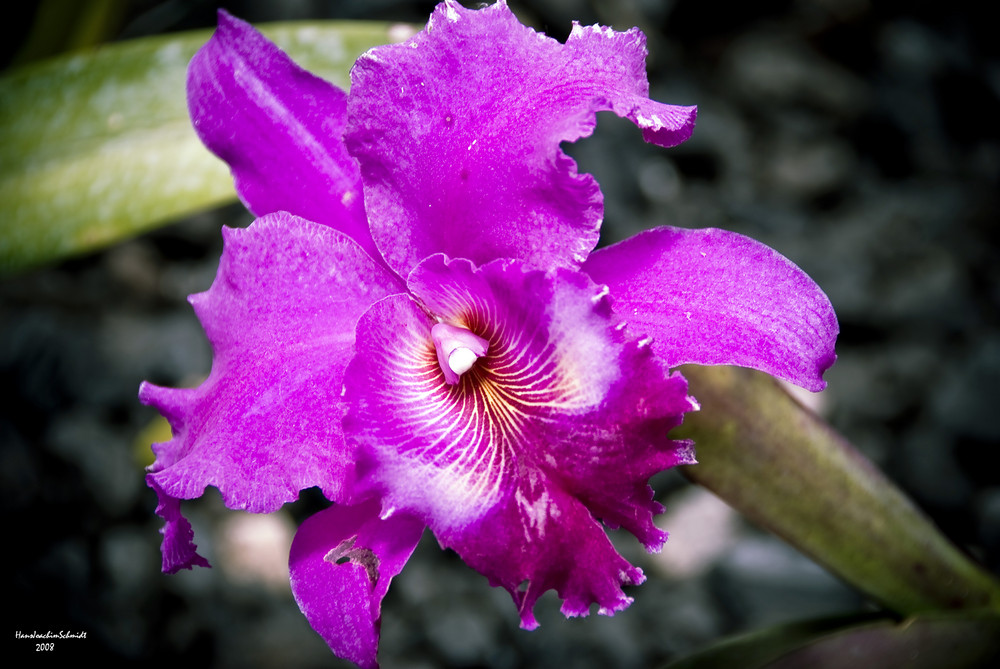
x,y
791,473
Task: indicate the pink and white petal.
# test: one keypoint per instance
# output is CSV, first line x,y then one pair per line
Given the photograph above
x,y
341,563
177,549
713,297
542,538
610,474
560,423
422,441
278,127
457,132
267,421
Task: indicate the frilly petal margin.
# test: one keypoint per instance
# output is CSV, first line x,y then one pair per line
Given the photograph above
x,y
562,422
713,297
279,128
457,133
177,549
341,562
280,316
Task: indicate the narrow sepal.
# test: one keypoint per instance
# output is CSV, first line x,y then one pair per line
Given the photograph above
x,y
279,128
713,297
178,548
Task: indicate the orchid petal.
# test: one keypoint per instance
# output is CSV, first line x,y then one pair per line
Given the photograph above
x,y
457,132
279,128
341,562
713,297
178,549
267,421
495,464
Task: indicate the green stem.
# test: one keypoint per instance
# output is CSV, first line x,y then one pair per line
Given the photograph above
x,y
788,471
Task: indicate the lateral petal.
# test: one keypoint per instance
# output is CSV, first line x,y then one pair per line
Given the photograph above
x,y
561,422
341,562
267,421
278,127
457,132
713,297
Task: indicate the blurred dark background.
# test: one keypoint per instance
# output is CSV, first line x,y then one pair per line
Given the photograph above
x,y
858,138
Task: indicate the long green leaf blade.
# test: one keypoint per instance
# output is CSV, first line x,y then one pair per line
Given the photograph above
x,y
789,472
957,640
97,146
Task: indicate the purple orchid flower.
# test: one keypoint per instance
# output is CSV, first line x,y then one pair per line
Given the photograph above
x,y
418,324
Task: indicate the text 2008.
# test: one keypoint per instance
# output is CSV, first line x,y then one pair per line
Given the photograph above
x,y
44,646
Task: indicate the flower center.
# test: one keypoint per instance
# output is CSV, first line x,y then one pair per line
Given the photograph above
x,y
457,350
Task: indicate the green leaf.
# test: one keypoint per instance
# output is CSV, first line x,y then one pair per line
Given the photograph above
x,y
964,640
756,649
67,25
788,471
97,146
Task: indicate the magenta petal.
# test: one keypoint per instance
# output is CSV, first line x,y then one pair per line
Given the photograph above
x,y
540,539
559,424
341,563
591,466
713,297
458,130
267,421
178,549
278,127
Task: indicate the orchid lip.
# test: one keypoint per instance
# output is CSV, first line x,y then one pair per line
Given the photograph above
x,y
457,350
